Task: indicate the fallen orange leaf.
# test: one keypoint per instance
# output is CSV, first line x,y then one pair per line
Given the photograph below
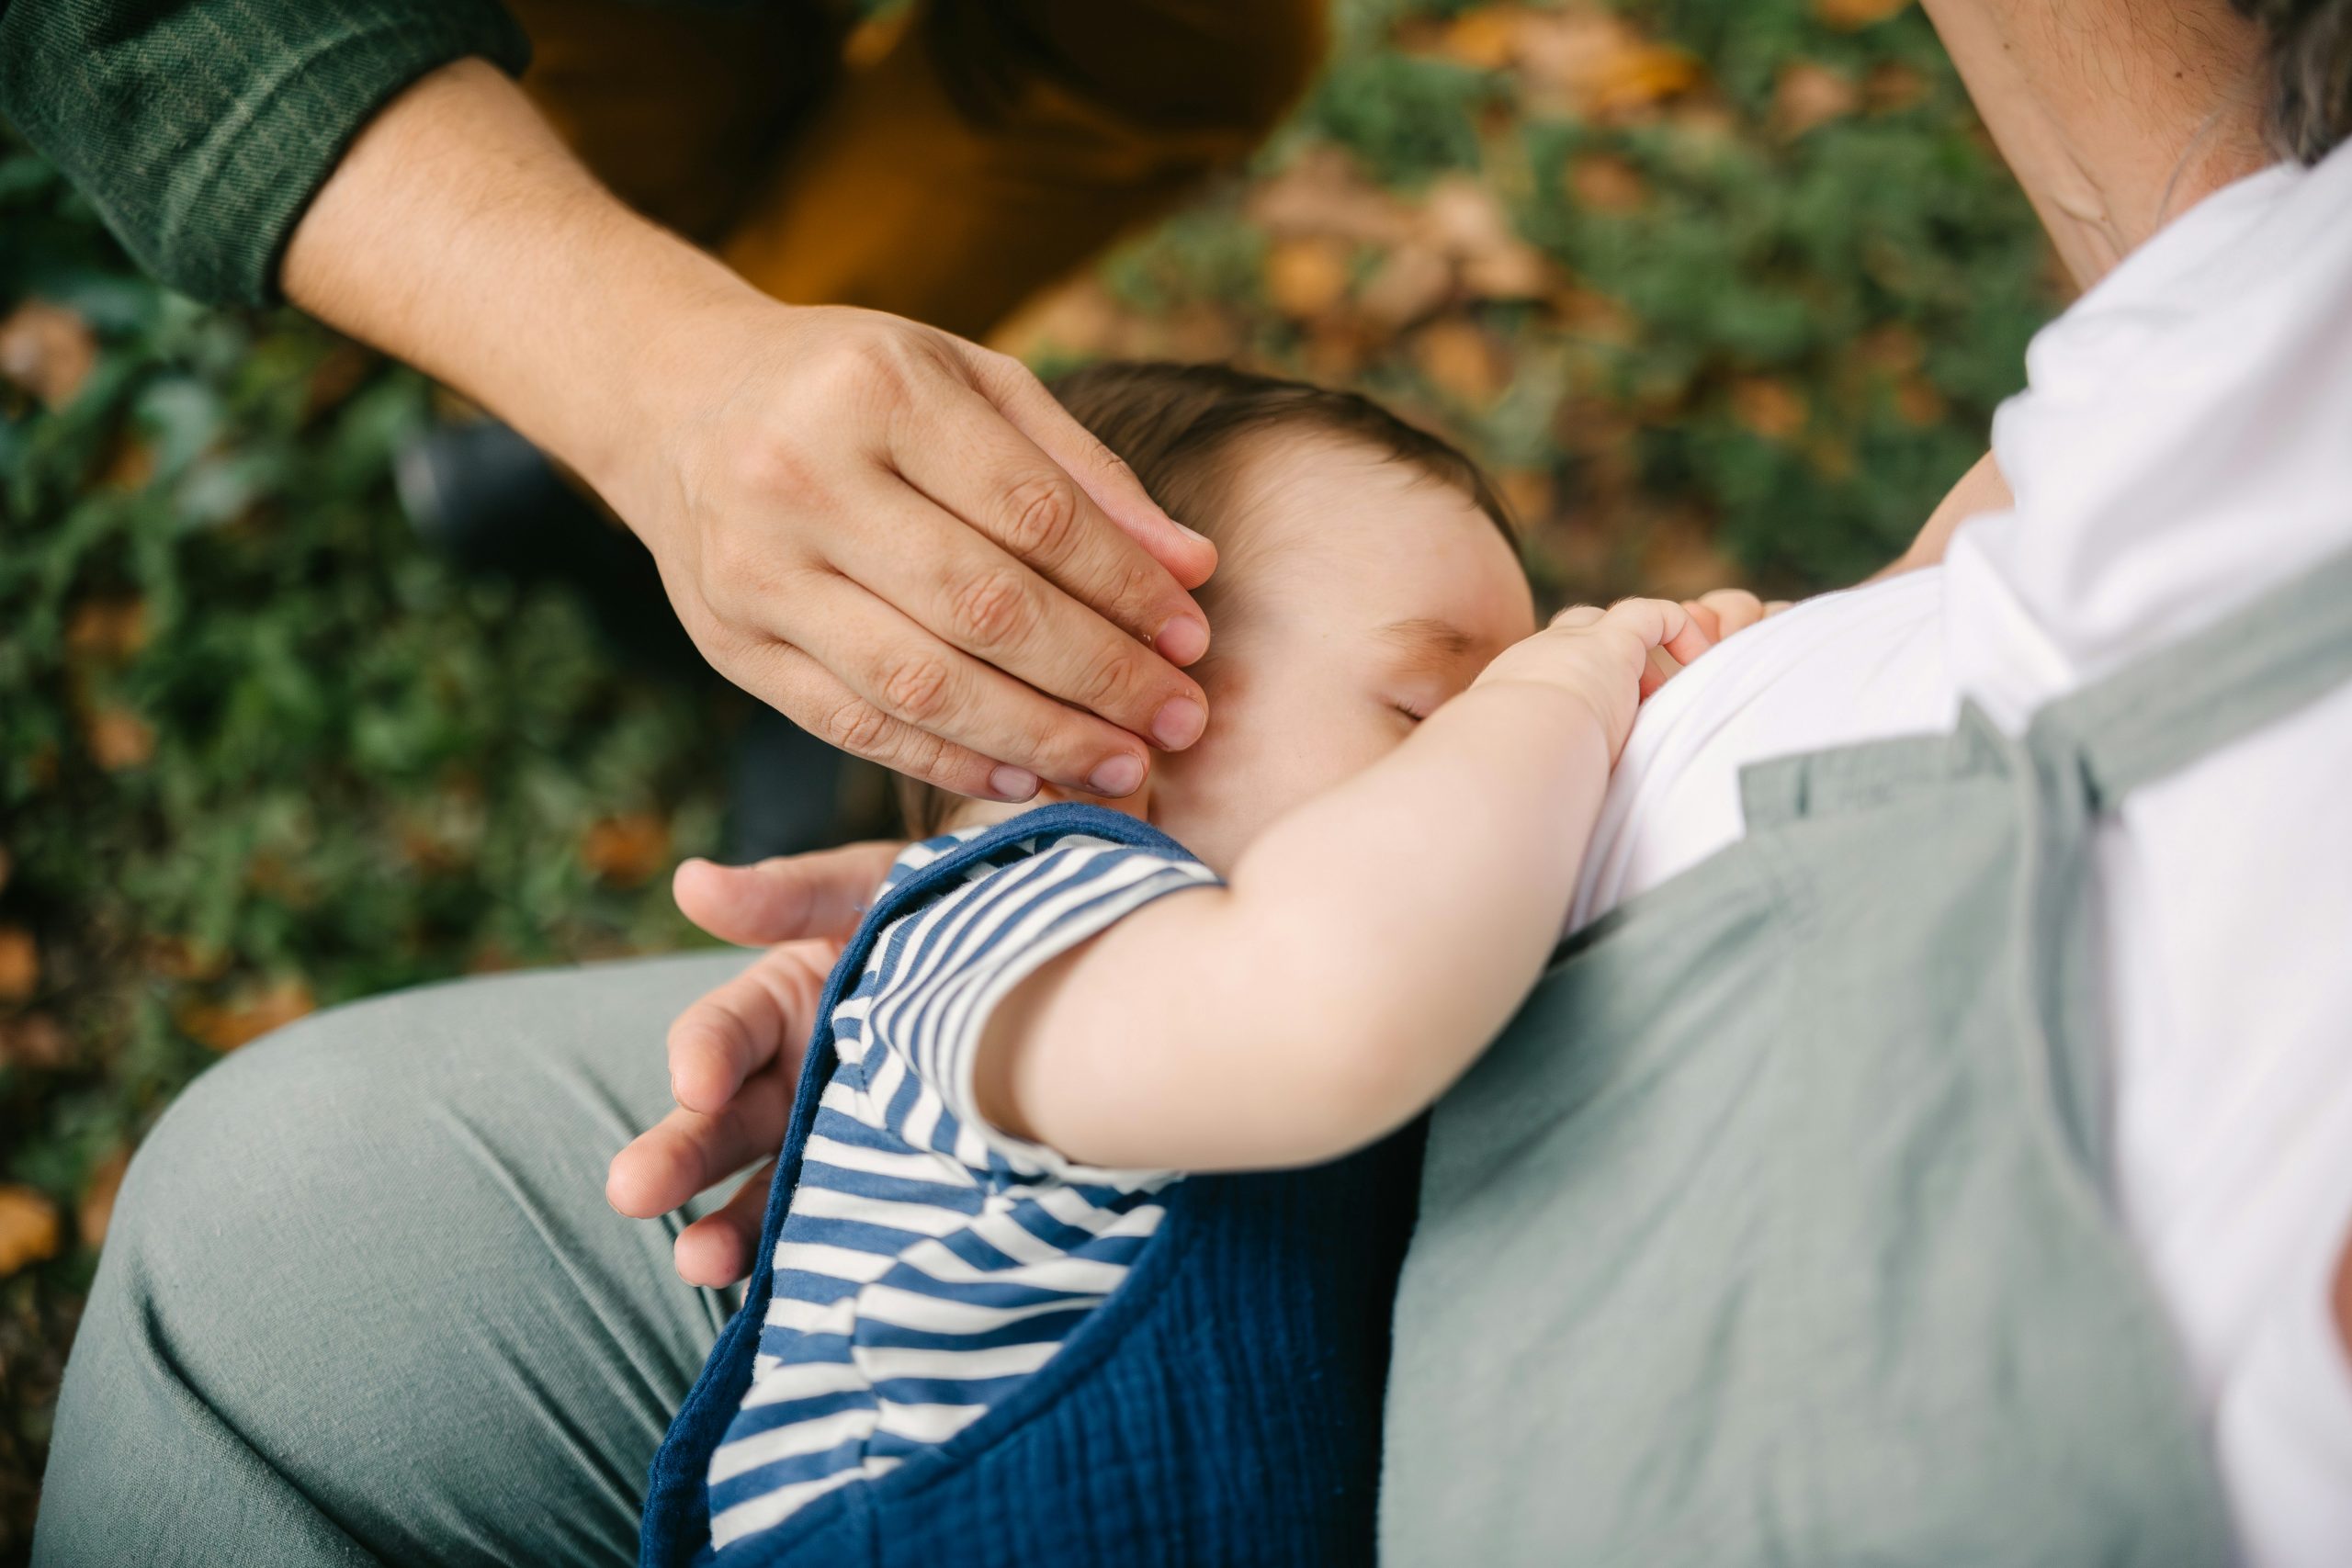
x,y
34,1039
19,963
1486,38
245,1016
111,629
1460,359
1850,15
1603,182
1590,63
1773,409
118,738
1919,401
626,850
28,1229
47,350
1414,281
1808,96
1306,277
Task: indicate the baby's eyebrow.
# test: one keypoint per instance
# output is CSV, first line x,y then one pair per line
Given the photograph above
x,y
1428,643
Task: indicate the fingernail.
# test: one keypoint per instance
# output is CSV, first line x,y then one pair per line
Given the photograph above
x,y
1118,777
1191,532
1182,639
1179,723
1012,783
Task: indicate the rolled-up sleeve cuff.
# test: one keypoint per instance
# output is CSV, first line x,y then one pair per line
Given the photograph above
x,y
225,232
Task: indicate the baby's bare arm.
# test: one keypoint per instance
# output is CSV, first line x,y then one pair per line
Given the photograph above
x,y
1366,948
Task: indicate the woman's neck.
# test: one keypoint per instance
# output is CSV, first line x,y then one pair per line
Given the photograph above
x,y
2116,116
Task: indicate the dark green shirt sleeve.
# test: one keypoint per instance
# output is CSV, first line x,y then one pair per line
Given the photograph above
x,y
201,129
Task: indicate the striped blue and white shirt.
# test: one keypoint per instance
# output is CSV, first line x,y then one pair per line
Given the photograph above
x,y
929,1263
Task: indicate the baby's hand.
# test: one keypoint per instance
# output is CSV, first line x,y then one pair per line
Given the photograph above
x,y
1603,658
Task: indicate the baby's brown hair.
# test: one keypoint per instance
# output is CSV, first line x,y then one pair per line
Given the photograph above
x,y
1172,423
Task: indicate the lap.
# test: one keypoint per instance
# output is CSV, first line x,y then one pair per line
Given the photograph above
x,y
363,1300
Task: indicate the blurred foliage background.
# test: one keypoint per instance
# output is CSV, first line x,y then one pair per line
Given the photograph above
x,y
1723,291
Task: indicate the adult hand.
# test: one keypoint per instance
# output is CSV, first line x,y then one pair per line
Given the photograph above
x,y
735,1054
901,540
893,535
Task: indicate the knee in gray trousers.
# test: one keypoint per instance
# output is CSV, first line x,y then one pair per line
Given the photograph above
x,y
363,1301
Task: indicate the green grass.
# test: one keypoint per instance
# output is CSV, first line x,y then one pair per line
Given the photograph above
x,y
258,752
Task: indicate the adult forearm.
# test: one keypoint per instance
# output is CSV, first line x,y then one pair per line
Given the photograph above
x,y
893,535
461,236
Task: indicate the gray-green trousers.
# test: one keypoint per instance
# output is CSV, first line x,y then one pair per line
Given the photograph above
x,y
364,1301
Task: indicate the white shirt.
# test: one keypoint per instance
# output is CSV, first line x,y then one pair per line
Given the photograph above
x,y
2184,443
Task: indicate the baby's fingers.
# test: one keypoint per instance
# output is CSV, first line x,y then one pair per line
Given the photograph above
x,y
1660,623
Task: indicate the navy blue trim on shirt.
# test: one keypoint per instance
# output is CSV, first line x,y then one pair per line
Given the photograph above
x,y
676,1525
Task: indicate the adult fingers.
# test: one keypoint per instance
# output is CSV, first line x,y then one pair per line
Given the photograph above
x,y
1106,478
816,699
910,674
956,582
821,893
759,1018
716,1250
688,1152
960,452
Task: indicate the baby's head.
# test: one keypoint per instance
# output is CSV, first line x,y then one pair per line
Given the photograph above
x,y
1366,574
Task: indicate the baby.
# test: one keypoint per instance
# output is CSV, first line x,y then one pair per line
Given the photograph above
x,y
1007,1310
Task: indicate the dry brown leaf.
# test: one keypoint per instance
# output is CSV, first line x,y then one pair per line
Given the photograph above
x,y
1593,316
19,963
1591,63
1486,38
1773,409
1849,16
1529,494
109,629
626,850
1893,347
1519,273
118,738
95,1210
1459,359
1413,282
129,465
1893,86
1323,193
1338,347
34,1039
1919,401
1080,317
47,350
1306,277
1603,182
1808,96
249,1014
28,1229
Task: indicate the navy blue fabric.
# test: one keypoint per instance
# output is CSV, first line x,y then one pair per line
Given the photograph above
x,y
1222,1408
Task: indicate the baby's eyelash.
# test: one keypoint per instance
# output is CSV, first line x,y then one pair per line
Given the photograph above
x,y
1410,712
